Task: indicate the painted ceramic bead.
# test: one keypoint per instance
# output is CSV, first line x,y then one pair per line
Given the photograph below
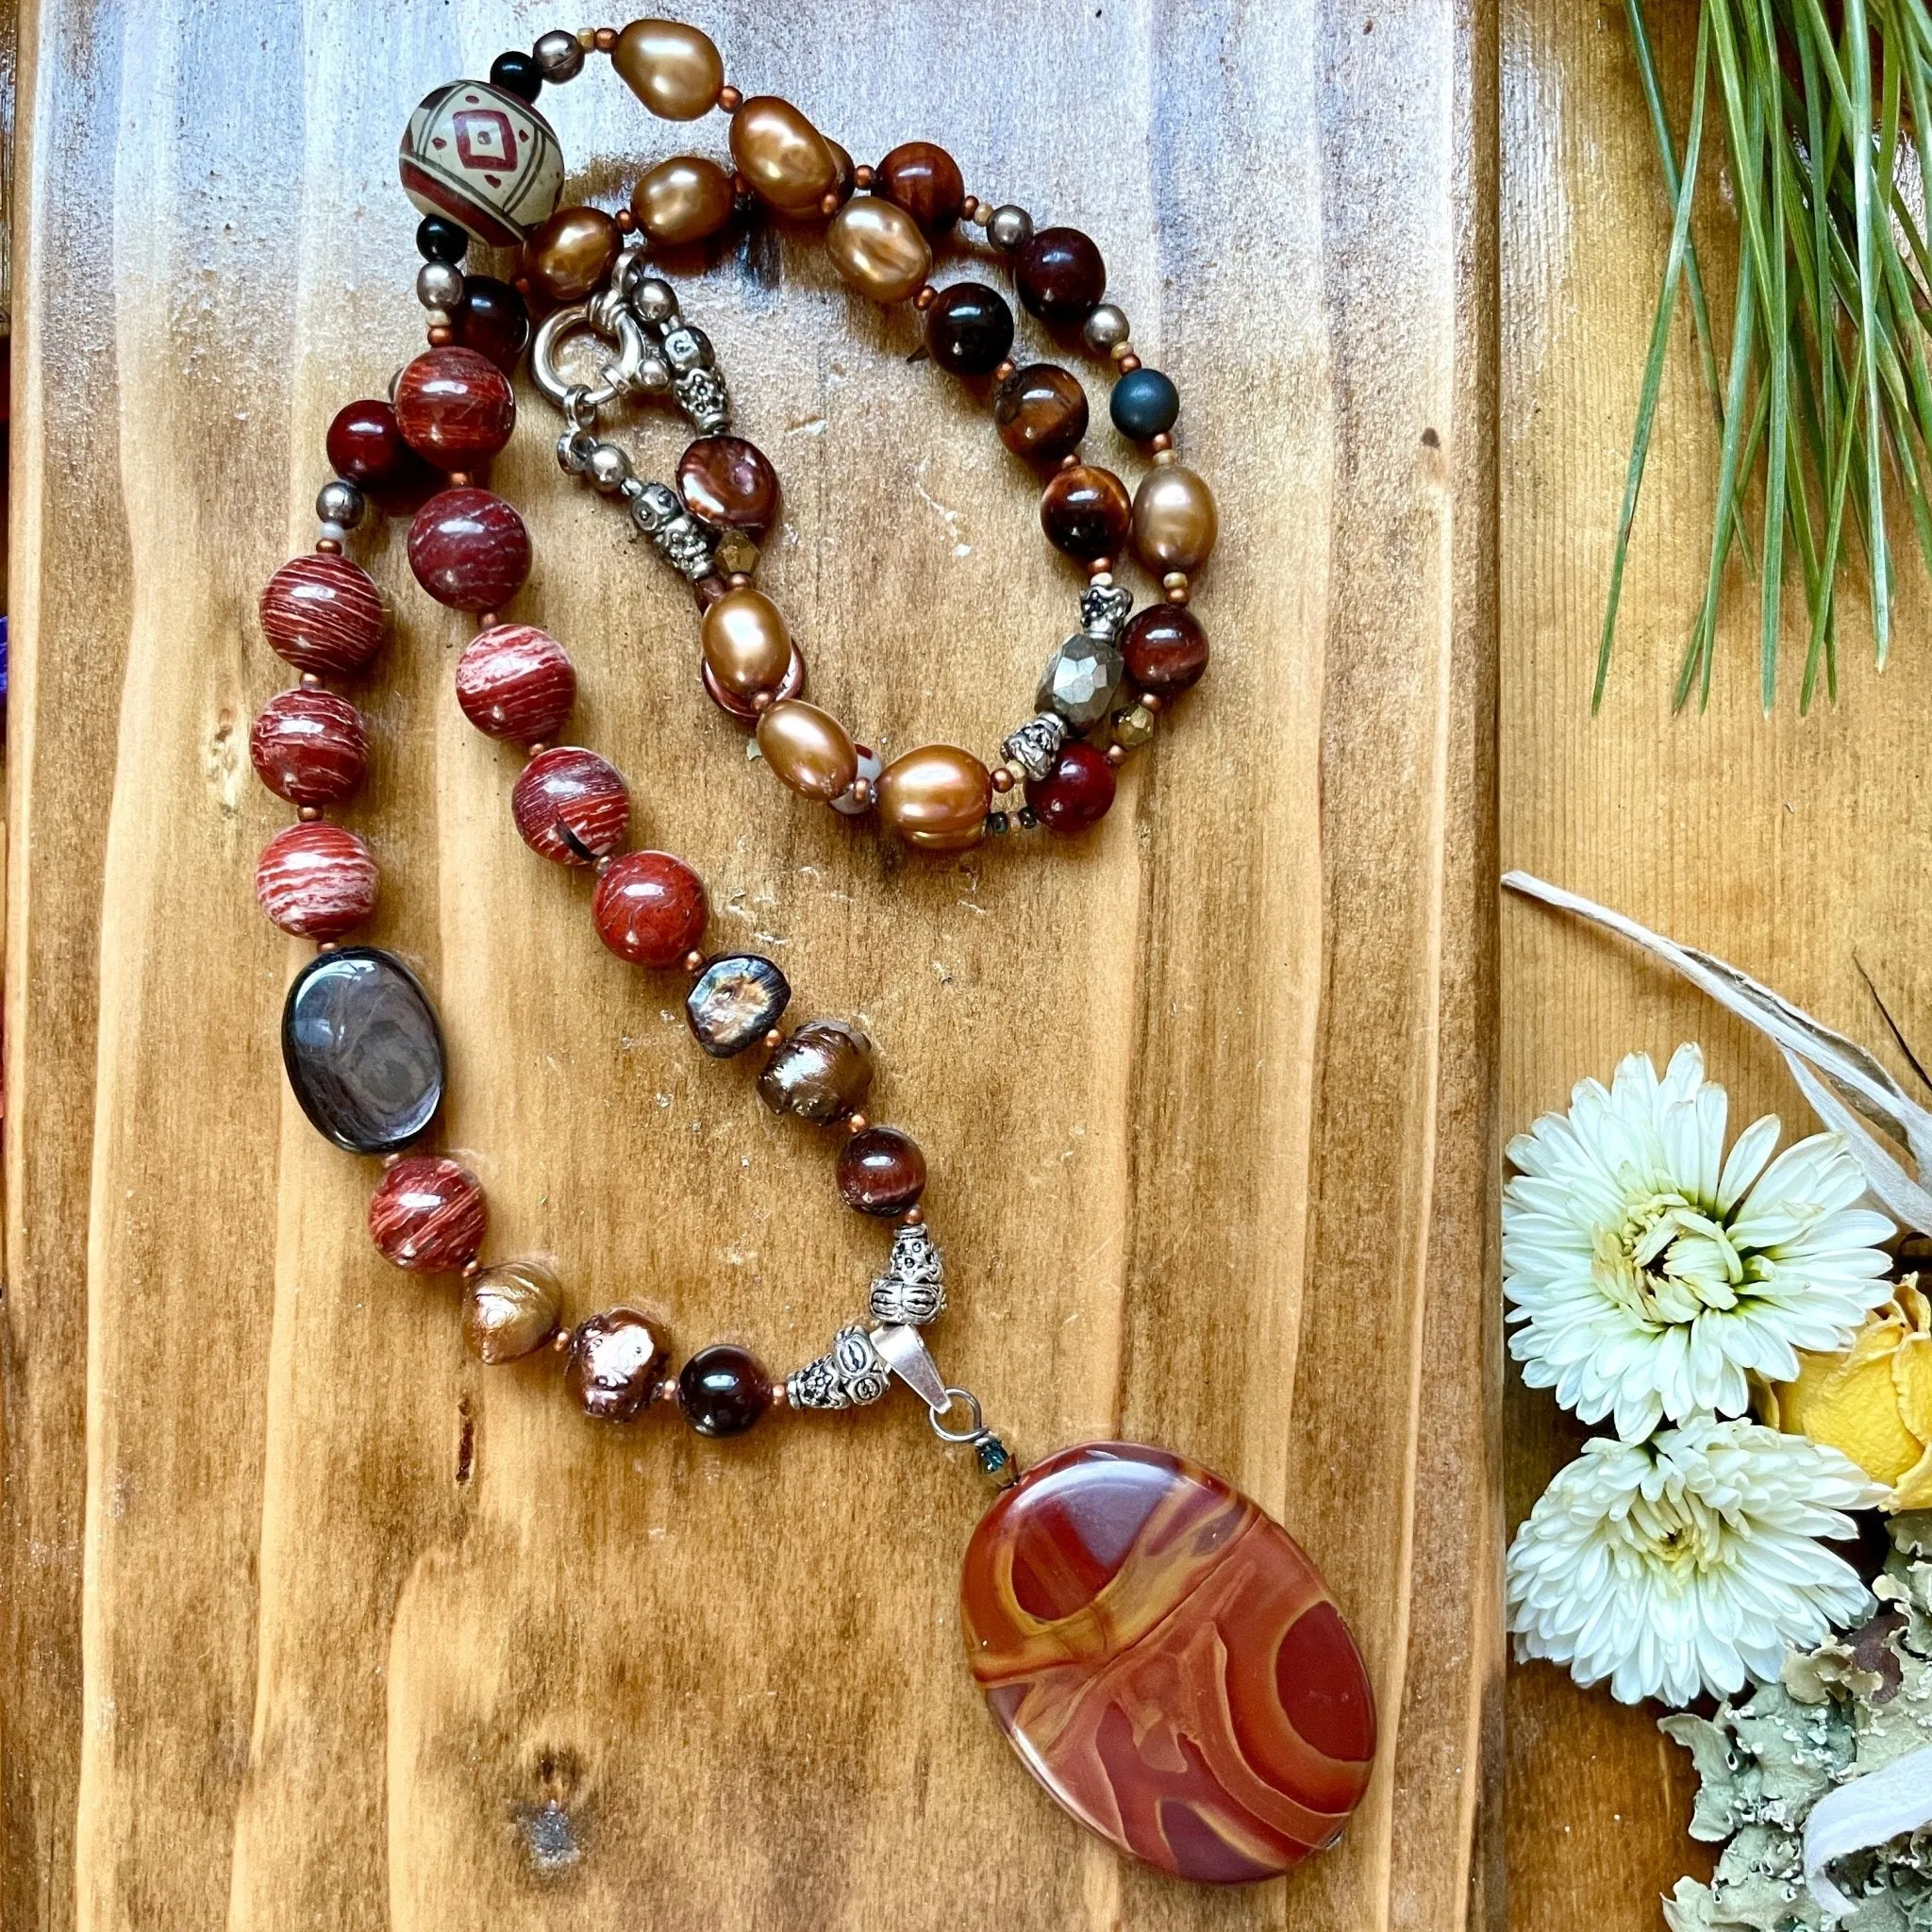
x,y
493,321
969,329
366,448
936,797
571,253
427,1214
876,246
723,1391
1085,511
1144,402
1165,649
1168,1663
515,681
730,482
737,999
509,1310
316,881
455,408
323,613
1041,412
469,549
1060,276
746,643
309,747
483,158
683,200
362,1049
673,69
788,164
649,908
808,749
881,1170
821,1072
1078,791
615,1362
1174,520
924,181
570,806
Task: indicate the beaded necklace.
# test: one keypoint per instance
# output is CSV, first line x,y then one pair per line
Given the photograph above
x,y
1165,1658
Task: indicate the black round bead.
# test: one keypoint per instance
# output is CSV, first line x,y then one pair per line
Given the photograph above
x,y
1144,404
969,329
723,1391
437,240
516,73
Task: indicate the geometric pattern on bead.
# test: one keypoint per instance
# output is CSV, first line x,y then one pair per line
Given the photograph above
x,y
849,1373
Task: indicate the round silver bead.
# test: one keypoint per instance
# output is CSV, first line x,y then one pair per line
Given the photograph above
x,y
1011,228
559,57
439,285
655,300
608,467
1105,328
338,502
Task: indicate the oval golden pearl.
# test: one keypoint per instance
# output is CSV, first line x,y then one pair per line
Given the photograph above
x,y
746,642
684,199
937,796
808,749
509,1309
572,252
673,69
879,250
1174,520
789,164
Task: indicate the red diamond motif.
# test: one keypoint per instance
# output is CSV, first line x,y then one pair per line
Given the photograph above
x,y
485,139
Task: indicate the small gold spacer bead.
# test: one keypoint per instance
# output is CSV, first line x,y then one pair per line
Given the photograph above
x,y
666,1391
309,681
861,790
601,865
536,749
856,1122
780,1398
694,963
927,295
1070,462
981,211
862,175
729,99
326,946
603,38
472,1268
460,479
1174,581
308,814
328,546
486,619
560,1341
829,204
1121,351
1165,459
775,1040
389,1160
1004,370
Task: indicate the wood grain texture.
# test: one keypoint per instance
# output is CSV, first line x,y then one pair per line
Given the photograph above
x,y
1782,844
311,1620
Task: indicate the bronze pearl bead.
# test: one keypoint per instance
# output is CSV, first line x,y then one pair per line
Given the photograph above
x,y
936,797
746,643
572,252
808,749
876,246
673,69
683,200
1174,520
509,1310
788,164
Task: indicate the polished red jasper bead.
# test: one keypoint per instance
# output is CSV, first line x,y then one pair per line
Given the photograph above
x,y
1076,792
323,613
1168,1662
649,908
427,1214
316,881
1165,649
366,448
455,407
516,682
469,549
881,1170
572,805
309,747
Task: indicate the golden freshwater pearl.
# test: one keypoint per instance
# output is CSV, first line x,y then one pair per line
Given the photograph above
x,y
1174,520
684,199
877,248
572,252
746,642
789,164
937,796
808,749
673,69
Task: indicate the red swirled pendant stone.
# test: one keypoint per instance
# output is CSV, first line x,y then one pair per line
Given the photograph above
x,y
1168,1663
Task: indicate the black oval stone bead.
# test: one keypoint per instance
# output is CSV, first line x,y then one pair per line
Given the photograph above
x,y
737,999
363,1050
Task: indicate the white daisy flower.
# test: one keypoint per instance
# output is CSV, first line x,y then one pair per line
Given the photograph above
x,y
1687,1561
1649,1274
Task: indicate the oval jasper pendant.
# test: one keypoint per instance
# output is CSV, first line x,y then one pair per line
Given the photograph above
x,y
1168,1663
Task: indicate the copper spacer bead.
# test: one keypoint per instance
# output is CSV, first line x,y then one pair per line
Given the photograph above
x,y
329,946
855,1124
626,221
522,284
861,790
1116,753
472,1268
829,204
486,619
605,38
862,175
308,814
389,1160
309,681
1003,369
1178,594
694,963
1160,443
560,1341
1101,570
913,1217
531,751
775,1040
666,1391
738,580
461,479
1128,364
778,1395
927,296
1070,461
442,336
1151,702
969,208
328,546
762,701
603,865
730,99
1003,780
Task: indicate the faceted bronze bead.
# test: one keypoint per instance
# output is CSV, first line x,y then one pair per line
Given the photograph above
x,y
737,999
821,1072
615,1362
509,1310
1041,413
723,1391
881,1170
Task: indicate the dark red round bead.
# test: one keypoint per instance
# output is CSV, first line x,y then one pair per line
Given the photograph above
x,y
926,181
613,1366
881,1170
723,1391
309,747
572,805
1086,511
649,908
316,881
427,1214
455,408
493,321
323,613
1077,793
1165,649
469,549
1060,276
516,682
366,448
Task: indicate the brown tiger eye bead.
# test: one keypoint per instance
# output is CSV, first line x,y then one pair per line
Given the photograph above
x,y
820,1072
492,320
683,200
789,164
808,749
936,797
726,481
509,1310
323,613
746,644
649,908
469,549
309,747
723,1391
1060,276
926,181
1165,649
876,246
673,69
570,806
614,1363
455,408
515,681
1041,413
881,1170
1174,520
571,253
427,1214
1085,511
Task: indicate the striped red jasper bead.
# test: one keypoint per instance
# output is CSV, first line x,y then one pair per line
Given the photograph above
x,y
455,407
470,549
309,747
316,881
572,805
323,613
428,1214
516,682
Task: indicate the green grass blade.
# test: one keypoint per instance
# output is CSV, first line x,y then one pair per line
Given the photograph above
x,y
1859,120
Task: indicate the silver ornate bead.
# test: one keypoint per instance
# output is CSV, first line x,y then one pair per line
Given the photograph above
x,y
559,57
913,1288
1105,328
1081,680
849,1375
1104,609
703,398
338,502
1011,228
1037,744
655,300
655,506
688,544
608,467
439,285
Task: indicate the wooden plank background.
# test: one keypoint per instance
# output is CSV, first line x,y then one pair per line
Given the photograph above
x,y
1208,1098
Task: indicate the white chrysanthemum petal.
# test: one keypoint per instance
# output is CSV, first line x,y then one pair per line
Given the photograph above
x,y
1747,1161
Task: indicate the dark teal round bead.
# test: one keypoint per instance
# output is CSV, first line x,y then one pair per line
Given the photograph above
x,y
1144,404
